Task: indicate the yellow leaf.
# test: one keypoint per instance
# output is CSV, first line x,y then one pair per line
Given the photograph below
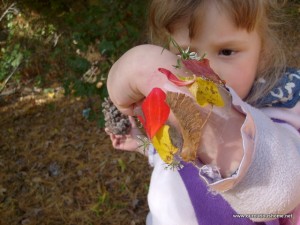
x,y
51,94
162,143
206,92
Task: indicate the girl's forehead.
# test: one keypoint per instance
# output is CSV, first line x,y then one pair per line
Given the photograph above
x,y
216,28
206,15
239,15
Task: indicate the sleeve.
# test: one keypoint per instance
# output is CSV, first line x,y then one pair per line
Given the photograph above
x,y
268,178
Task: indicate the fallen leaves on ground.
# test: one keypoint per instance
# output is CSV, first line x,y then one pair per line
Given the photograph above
x,y
58,168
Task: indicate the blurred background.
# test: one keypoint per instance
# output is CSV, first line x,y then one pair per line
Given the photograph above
x,y
56,164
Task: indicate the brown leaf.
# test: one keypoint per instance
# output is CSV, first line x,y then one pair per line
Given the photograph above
x,y
175,136
191,119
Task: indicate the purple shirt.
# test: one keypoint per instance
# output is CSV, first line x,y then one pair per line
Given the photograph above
x,y
204,202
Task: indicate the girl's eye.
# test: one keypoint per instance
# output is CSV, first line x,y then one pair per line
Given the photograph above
x,y
226,52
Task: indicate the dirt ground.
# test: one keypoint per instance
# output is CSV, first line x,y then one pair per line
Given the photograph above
x,y
58,168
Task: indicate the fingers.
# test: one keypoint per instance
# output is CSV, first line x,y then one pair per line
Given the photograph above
x,y
107,131
119,141
116,140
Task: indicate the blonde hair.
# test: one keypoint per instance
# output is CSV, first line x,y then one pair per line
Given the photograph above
x,y
164,15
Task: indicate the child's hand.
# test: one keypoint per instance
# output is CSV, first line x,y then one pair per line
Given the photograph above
x,y
136,73
128,142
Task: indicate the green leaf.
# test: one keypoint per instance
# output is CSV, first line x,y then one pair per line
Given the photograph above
x,y
78,64
106,47
17,61
122,165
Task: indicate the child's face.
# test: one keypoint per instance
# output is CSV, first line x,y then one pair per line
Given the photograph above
x,y
233,52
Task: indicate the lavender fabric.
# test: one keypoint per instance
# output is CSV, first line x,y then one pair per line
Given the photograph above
x,y
211,209
280,121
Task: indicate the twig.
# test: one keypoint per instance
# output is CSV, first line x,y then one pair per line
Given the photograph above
x,y
7,79
56,38
10,9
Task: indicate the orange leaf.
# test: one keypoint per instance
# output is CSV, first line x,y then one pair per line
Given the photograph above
x,y
174,79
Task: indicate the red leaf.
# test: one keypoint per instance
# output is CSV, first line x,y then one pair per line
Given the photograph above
x,y
174,79
155,110
203,69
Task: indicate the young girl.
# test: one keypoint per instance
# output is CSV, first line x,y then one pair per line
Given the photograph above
x,y
251,162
